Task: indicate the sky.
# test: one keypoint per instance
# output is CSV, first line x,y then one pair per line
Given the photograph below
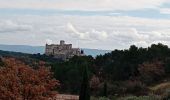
x,y
97,24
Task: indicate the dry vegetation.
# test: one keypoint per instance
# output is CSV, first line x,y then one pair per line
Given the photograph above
x,y
21,82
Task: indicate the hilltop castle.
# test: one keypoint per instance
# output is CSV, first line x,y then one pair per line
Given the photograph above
x,y
62,51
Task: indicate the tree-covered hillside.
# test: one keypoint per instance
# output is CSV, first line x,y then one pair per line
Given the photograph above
x,y
126,72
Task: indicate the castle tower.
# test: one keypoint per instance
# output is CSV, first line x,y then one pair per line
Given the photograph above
x,y
62,42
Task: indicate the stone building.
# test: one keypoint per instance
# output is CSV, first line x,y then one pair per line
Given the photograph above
x,y
62,51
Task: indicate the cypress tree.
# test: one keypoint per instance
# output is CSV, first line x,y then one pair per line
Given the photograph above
x,y
85,87
105,89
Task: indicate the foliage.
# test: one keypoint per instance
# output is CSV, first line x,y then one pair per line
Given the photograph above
x,y
105,89
1,62
71,70
85,87
123,64
151,71
94,82
134,87
125,71
20,82
167,65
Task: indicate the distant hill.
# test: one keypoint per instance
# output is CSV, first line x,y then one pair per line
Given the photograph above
x,y
95,52
41,49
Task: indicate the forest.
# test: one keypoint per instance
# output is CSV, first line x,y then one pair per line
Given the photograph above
x,y
130,73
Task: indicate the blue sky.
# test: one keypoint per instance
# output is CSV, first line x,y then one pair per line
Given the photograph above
x,y
101,24
143,13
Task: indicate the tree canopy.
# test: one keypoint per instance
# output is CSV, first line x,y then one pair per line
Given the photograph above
x,y
21,82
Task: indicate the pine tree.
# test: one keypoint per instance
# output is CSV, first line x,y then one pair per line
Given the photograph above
x,y
85,87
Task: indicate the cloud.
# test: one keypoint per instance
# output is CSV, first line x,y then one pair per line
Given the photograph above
x,y
49,41
102,32
89,35
91,5
76,33
165,10
99,35
97,31
11,26
129,35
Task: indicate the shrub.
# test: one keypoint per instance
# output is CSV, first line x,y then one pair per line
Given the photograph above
x,y
151,71
135,87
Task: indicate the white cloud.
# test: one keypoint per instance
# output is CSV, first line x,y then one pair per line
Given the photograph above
x,y
103,32
129,34
76,33
141,43
11,26
165,10
106,32
83,4
49,41
100,35
89,35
